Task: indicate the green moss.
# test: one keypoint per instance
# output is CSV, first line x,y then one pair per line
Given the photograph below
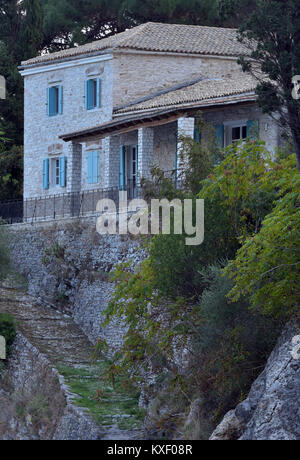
x,y
107,405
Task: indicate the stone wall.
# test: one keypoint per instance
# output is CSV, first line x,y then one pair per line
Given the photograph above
x,y
77,281
164,147
139,74
42,132
268,128
34,401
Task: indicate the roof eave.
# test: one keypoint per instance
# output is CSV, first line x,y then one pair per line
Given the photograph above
x,y
234,97
61,60
133,121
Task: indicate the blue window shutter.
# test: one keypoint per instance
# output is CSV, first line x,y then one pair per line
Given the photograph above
x,y
98,93
90,168
89,98
137,158
95,173
46,174
48,102
253,129
137,164
52,103
62,171
197,134
122,168
60,100
86,94
220,135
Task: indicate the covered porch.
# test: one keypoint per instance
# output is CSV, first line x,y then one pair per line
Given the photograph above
x,y
132,149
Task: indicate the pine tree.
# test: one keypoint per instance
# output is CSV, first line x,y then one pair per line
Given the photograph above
x,y
32,28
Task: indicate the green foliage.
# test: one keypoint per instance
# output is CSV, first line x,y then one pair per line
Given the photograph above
x,y
32,28
109,404
233,12
233,344
240,183
205,12
237,199
267,267
7,330
11,176
178,296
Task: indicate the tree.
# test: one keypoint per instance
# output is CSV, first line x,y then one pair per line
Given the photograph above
x,y
67,22
32,28
201,12
20,38
273,30
267,266
234,12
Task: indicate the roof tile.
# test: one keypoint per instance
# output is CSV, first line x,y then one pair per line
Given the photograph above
x,y
196,92
151,36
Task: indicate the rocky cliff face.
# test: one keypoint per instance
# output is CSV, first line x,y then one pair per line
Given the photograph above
x,y
271,411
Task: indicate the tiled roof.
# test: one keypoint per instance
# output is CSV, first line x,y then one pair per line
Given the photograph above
x,y
151,36
202,90
205,93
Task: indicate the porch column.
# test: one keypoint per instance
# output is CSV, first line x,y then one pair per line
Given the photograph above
x,y
145,152
111,152
74,165
185,127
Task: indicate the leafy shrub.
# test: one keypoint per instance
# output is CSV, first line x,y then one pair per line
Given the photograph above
x,y
232,344
238,195
178,296
267,267
7,330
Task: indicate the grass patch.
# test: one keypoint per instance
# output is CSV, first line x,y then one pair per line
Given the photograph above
x,y
107,405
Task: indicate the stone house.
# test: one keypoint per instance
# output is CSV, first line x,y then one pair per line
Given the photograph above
x,y
99,116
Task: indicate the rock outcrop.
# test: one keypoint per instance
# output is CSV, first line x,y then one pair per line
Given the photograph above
x,y
271,411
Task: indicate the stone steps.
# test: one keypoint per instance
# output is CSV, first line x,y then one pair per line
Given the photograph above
x,y
58,338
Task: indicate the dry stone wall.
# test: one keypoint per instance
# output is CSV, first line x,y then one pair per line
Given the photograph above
x,y
30,383
68,265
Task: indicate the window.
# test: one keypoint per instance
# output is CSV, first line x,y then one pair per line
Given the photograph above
x,y
54,172
54,101
235,131
92,93
238,133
